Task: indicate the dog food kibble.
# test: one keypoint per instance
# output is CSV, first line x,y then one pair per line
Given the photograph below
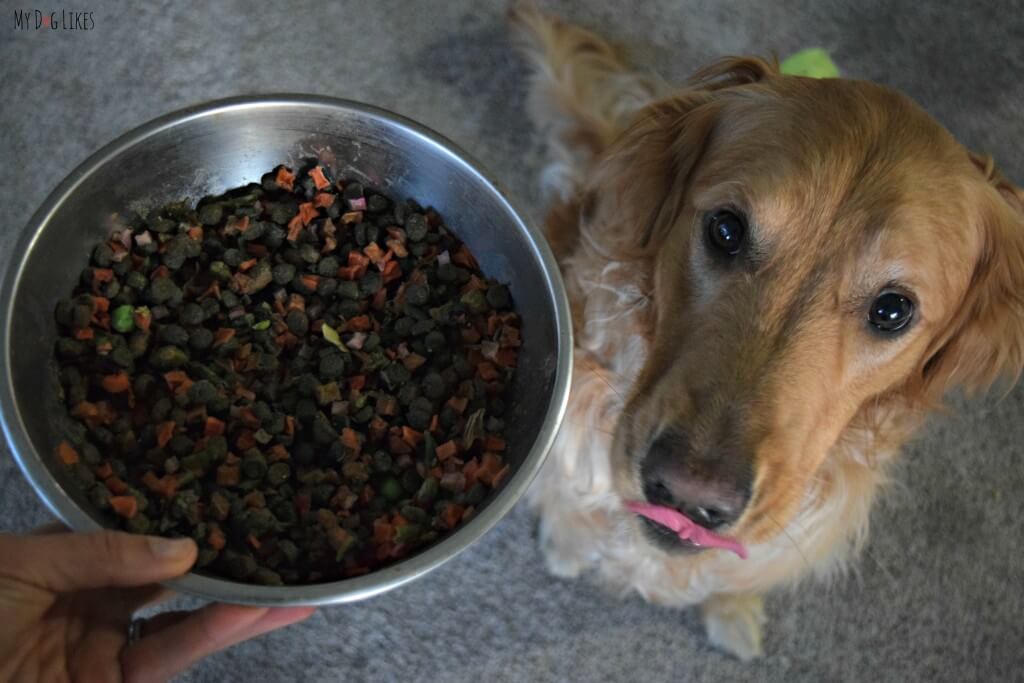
x,y
304,376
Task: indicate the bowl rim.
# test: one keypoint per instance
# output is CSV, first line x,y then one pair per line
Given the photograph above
x,y
348,590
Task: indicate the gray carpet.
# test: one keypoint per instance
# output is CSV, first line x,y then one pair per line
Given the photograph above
x,y
938,595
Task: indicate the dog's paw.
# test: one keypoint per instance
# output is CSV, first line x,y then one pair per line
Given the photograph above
x,y
734,624
565,558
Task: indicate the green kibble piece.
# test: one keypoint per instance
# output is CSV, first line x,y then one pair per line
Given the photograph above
x,y
200,339
347,289
123,356
447,272
220,271
323,431
206,557
69,348
434,341
202,392
283,273
99,496
197,462
139,524
370,283
254,465
278,473
417,294
416,226
475,301
328,267
266,577
415,514
498,297
433,386
238,566
123,319
408,533
332,366
233,257
391,489
191,314
211,214
382,461
83,474
298,323
81,316
102,255
168,358
136,280
162,290
180,445
217,447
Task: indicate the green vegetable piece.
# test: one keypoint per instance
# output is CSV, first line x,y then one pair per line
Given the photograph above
x,y
812,63
331,335
474,429
391,489
123,319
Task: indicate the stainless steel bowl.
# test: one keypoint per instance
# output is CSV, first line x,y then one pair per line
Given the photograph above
x,y
208,149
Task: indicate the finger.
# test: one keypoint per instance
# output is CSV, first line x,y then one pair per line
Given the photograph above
x,y
51,528
68,562
174,641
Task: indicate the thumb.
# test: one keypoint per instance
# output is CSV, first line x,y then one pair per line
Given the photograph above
x,y
70,561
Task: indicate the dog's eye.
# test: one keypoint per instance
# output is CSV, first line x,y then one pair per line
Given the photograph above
x,y
891,312
726,231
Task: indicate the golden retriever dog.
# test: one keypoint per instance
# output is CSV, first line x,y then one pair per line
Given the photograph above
x,y
773,279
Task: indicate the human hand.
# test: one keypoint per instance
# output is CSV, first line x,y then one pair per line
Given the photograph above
x,y
67,600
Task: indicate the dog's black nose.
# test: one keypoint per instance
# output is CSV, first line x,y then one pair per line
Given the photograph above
x,y
711,489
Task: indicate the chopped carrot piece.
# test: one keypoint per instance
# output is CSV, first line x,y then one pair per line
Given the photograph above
x,y
383,532
164,432
83,333
490,465
379,299
451,515
494,443
303,503
447,450
500,476
116,486
104,471
317,174
357,382
413,361
351,216
196,233
177,381
392,271
142,319
359,323
411,436
100,304
257,250
350,272
434,424
310,281
213,426
278,452
307,212
159,272
323,199
373,252
285,179
245,440
215,538
118,383
101,275
125,506
289,425
349,438
67,453
507,358
247,265
223,335
464,258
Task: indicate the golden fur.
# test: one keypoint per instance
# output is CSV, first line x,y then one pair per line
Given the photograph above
x,y
850,187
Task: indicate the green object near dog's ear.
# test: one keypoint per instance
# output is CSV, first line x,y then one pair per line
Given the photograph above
x,y
812,62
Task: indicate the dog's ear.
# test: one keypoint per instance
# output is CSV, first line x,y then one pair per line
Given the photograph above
x,y
985,342
639,187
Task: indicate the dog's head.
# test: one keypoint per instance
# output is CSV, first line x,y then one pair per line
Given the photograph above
x,y
815,250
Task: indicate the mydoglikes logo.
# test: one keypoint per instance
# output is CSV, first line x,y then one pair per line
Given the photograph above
x,y
62,20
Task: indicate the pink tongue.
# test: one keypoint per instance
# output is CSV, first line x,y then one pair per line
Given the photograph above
x,y
687,529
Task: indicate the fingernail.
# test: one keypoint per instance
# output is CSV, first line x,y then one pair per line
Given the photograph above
x,y
166,548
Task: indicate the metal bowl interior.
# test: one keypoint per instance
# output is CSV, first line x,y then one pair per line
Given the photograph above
x,y
209,149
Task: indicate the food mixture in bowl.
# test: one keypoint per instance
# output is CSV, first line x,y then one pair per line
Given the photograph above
x,y
304,375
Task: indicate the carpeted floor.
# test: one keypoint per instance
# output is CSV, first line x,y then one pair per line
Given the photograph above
x,y
938,596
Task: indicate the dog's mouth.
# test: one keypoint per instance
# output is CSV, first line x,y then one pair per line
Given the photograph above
x,y
672,527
